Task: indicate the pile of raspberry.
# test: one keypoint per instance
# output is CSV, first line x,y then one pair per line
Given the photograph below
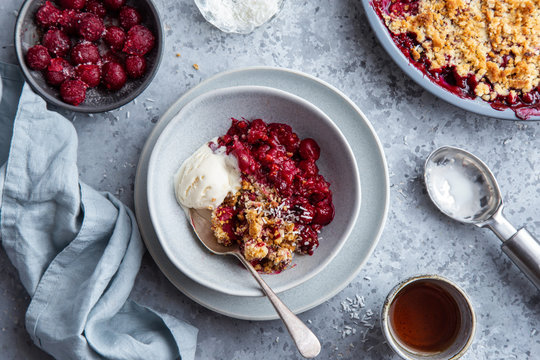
x,y
273,155
86,43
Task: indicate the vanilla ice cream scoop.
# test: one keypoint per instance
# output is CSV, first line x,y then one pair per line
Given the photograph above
x,y
206,177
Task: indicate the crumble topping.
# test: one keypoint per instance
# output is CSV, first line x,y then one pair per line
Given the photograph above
x,y
261,222
496,40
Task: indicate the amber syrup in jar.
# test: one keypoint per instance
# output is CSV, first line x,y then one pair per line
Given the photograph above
x,y
424,317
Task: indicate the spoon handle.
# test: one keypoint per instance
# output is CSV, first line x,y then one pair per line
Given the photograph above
x,y
524,250
307,343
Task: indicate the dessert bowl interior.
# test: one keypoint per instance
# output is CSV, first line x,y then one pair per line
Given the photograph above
x,y
99,99
208,116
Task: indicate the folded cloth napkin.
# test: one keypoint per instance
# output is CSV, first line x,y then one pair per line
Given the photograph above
x,y
77,250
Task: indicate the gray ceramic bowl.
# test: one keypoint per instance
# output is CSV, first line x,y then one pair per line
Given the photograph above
x,y
477,105
208,116
27,34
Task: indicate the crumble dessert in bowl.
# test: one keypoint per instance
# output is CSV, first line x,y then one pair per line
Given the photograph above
x,y
262,195
262,183
476,49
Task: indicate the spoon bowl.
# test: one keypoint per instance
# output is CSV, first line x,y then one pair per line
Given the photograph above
x,y
461,185
201,221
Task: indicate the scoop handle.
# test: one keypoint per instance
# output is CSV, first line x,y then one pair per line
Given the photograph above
x,y
524,250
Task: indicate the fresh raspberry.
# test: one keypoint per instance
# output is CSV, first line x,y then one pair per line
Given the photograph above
x,y
114,76
115,37
73,91
57,42
85,53
135,66
72,4
96,7
90,74
129,17
114,4
90,27
139,40
309,149
38,57
58,71
68,21
48,15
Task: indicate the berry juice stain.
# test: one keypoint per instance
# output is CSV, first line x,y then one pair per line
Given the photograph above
x,y
425,318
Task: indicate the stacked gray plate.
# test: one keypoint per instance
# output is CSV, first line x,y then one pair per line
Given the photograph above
x,y
346,264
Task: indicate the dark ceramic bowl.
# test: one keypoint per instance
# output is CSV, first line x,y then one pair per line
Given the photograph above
x,y
99,99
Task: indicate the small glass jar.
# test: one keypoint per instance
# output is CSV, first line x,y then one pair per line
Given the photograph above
x,y
239,16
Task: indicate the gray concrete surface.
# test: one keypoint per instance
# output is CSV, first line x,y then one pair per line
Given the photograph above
x,y
330,40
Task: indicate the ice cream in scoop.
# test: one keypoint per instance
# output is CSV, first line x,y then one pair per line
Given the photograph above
x,y
206,177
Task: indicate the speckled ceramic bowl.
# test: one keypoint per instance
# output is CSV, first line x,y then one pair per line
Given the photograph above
x,y
208,116
99,99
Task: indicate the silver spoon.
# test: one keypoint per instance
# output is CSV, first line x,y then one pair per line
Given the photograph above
x,y
307,343
464,188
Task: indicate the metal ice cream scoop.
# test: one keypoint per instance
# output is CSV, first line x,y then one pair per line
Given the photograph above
x,y
464,188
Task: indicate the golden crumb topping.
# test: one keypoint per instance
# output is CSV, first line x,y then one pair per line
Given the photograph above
x,y
497,40
262,225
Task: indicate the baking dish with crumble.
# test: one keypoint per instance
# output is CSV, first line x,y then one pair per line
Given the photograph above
x,y
480,55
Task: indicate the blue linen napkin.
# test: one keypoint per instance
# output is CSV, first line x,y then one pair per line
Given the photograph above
x,y
77,251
